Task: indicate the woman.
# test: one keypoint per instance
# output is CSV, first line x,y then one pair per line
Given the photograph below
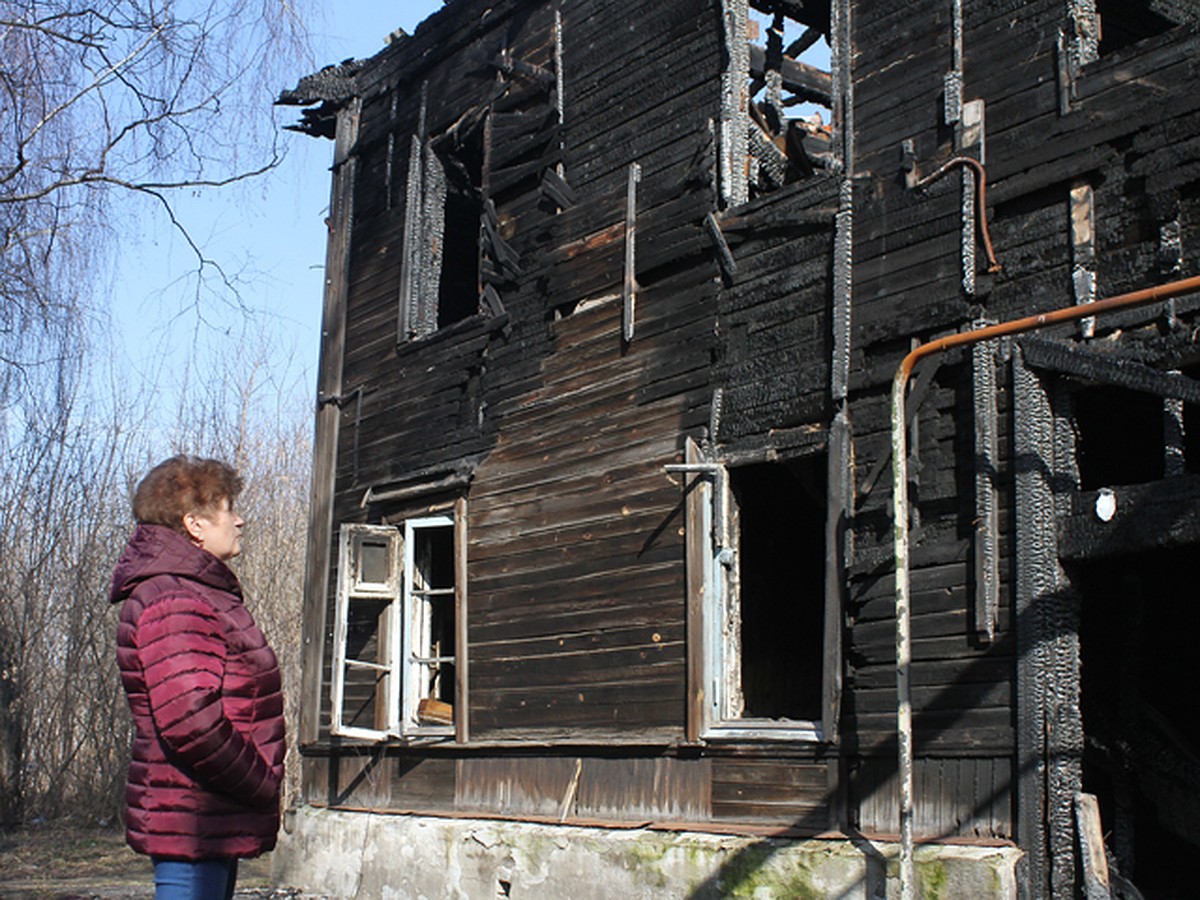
x,y
203,686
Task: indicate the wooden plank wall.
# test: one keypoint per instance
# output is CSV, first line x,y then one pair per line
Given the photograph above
x,y
907,283
576,576
776,336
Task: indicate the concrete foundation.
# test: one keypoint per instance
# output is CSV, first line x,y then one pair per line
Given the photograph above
x,y
331,853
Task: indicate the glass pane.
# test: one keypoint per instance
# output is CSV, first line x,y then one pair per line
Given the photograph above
x,y
365,691
373,567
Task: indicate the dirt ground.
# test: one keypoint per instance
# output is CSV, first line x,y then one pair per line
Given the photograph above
x,y
81,864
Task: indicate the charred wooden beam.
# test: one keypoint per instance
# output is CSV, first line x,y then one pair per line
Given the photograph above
x,y
1127,519
800,78
802,43
724,254
557,188
777,445
431,480
814,13
1075,361
497,248
334,84
987,513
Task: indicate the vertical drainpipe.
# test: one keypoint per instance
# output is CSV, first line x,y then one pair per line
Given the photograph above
x,y
900,515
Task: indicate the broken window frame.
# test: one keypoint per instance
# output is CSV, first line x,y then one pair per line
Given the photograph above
x,y
420,652
400,657
712,561
424,243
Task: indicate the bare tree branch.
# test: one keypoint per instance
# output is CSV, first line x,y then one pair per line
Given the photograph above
x,y
120,98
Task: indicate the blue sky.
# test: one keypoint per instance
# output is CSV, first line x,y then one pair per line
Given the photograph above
x,y
270,236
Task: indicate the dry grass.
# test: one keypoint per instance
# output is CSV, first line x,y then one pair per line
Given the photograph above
x,y
60,863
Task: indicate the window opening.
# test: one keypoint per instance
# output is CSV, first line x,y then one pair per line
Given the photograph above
x,y
440,270
1120,437
789,132
1141,749
461,163
396,630
759,590
1123,22
430,632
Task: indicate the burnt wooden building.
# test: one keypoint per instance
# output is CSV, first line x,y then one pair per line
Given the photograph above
x,y
602,523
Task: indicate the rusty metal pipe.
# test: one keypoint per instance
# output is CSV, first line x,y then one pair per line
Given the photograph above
x,y
900,514
980,199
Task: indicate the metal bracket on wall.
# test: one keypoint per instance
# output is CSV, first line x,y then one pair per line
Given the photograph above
x,y
908,163
629,287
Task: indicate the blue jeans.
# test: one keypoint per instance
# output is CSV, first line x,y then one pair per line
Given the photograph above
x,y
208,879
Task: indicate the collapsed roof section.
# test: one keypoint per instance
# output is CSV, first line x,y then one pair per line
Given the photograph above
x,y
328,89
780,73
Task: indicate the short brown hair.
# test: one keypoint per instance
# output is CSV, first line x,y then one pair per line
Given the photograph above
x,y
181,485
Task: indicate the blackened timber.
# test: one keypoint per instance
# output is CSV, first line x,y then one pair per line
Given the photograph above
x,y
1157,515
805,81
1080,362
556,187
594,610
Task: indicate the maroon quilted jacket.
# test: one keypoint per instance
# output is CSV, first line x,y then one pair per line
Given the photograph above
x,y
204,689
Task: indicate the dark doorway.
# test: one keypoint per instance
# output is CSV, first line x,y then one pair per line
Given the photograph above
x,y
781,566
1139,620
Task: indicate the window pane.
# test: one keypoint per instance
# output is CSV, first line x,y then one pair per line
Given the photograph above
x,y
364,703
373,563
431,633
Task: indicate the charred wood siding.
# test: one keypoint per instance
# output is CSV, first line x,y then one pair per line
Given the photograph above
x,y
577,610
908,281
775,314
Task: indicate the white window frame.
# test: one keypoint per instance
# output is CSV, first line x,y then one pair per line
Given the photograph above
x,y
720,664
350,588
404,656
417,653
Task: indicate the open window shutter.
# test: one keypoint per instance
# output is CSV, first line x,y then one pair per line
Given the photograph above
x,y
432,243
365,678
411,253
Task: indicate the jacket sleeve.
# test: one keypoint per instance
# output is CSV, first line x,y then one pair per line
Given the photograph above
x,y
182,651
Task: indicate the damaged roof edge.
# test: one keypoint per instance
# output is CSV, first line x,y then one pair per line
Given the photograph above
x,y
330,88
403,57
333,84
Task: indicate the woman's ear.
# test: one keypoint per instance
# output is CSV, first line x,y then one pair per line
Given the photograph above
x,y
192,523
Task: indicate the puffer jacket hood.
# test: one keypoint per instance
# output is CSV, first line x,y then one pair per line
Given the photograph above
x,y
158,550
205,695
